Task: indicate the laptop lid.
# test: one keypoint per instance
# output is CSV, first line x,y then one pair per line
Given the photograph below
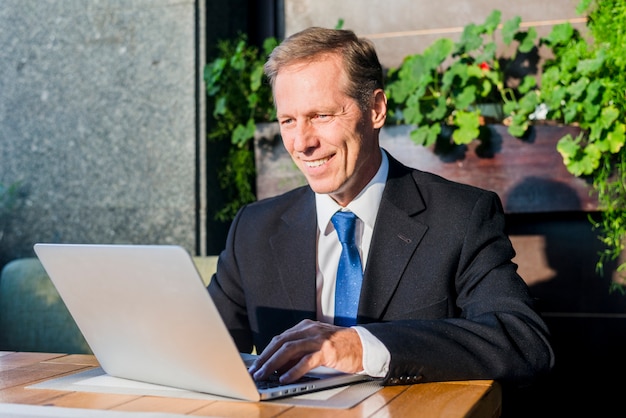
x,y
147,316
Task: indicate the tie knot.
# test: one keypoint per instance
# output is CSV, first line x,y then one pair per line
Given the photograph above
x,y
344,223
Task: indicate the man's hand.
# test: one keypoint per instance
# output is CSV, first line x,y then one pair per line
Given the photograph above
x,y
308,345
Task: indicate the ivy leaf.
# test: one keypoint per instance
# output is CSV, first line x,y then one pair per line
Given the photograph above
x,y
616,138
468,126
253,100
583,6
269,44
528,83
466,97
416,72
590,111
426,135
568,148
527,40
519,125
435,54
256,78
560,34
412,114
591,159
220,106
439,111
569,112
578,88
212,75
569,62
579,161
237,60
528,103
591,65
243,133
608,116
488,53
492,22
470,40
509,29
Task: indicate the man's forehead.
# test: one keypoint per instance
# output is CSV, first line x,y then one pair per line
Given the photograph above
x,y
326,72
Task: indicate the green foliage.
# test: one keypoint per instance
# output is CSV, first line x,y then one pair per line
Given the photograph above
x,y
578,86
607,20
449,82
583,84
240,98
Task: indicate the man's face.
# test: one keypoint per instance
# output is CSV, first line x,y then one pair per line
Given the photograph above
x,y
331,140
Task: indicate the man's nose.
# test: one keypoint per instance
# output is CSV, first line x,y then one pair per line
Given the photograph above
x,y
304,137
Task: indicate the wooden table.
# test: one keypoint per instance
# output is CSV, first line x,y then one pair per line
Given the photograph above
x,y
480,398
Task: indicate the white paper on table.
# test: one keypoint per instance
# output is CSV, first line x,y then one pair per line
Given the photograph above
x,y
96,380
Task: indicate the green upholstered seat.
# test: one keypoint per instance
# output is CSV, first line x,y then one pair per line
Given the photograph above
x,y
34,318
32,315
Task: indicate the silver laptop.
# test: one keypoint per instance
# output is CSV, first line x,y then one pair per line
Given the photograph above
x,y
147,316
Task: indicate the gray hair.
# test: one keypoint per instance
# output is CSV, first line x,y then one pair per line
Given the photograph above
x,y
364,71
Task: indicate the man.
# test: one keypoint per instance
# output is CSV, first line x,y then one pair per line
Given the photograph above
x,y
440,298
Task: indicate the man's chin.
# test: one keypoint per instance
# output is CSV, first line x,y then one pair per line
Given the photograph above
x,y
321,188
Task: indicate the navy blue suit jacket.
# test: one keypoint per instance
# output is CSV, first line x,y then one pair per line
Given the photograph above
x,y
439,289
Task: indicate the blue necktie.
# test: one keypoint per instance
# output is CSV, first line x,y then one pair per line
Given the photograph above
x,y
349,272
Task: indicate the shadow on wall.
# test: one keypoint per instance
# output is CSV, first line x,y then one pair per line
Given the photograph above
x,y
587,321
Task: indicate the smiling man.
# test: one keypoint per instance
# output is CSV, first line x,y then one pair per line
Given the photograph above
x,y
437,296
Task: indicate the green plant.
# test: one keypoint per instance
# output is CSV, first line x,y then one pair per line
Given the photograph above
x,y
240,98
446,86
583,84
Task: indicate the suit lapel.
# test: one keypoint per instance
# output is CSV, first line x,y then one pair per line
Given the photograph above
x,y
396,236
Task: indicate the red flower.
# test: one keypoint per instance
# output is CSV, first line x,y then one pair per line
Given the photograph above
x,y
484,66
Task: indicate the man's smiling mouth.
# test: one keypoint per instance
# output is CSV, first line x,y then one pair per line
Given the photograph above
x,y
316,163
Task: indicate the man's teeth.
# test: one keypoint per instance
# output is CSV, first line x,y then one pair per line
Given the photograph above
x,y
316,163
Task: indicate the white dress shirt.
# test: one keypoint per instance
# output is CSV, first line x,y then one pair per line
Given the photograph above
x,y
365,206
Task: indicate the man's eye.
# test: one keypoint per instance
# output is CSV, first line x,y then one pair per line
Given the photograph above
x,y
286,121
321,116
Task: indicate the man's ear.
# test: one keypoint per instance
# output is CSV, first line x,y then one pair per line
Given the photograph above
x,y
379,109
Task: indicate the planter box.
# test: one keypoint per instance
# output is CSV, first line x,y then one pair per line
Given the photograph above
x,y
528,175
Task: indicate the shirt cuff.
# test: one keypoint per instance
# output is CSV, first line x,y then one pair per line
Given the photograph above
x,y
376,357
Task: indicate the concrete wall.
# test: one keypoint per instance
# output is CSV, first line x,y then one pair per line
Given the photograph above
x,y
98,121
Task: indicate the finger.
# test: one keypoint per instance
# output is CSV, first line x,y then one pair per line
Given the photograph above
x,y
264,356
261,367
340,349
300,368
282,360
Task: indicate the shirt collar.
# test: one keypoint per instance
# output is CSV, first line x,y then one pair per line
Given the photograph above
x,y
365,205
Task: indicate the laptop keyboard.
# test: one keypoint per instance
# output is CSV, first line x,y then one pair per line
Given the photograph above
x,y
272,381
